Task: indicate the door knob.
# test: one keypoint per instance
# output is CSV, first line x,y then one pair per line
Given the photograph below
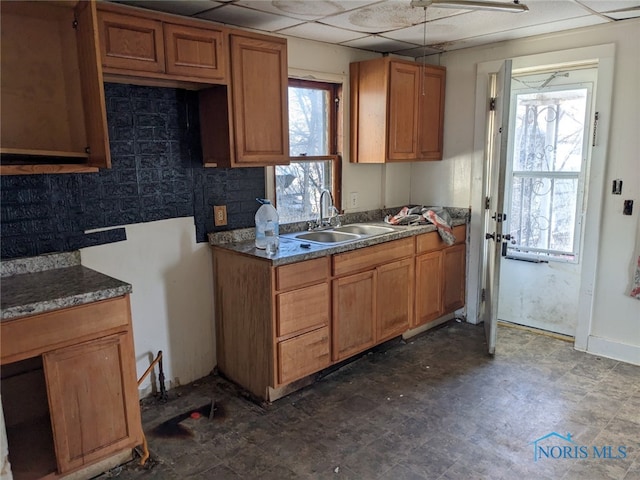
x,y
491,236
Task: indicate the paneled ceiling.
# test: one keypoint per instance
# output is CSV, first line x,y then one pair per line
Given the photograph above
x,y
394,26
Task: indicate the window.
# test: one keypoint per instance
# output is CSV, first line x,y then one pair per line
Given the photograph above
x,y
315,165
547,171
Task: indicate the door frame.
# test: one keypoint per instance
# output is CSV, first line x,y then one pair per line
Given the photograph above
x,y
604,56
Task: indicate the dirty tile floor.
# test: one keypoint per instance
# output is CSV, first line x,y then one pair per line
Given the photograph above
x,y
437,407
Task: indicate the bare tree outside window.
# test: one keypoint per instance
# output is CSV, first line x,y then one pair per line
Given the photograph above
x,y
311,141
548,159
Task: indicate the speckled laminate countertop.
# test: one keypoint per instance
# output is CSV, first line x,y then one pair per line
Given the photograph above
x,y
49,282
291,251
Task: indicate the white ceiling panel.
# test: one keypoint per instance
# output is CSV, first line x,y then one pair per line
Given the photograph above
x,y
179,7
305,10
246,17
393,26
378,18
321,33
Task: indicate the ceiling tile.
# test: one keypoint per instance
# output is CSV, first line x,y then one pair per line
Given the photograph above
x,y
417,52
377,43
500,36
305,10
248,18
610,5
321,33
379,18
179,7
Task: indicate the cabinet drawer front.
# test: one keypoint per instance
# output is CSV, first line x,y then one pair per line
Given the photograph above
x,y
30,336
370,257
302,309
131,43
194,51
300,274
432,241
303,355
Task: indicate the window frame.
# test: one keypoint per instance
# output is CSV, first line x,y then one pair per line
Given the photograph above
x,y
335,138
517,251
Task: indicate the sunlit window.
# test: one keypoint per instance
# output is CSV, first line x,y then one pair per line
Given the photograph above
x,y
313,145
547,170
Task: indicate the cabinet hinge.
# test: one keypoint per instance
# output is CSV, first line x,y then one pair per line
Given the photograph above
x,y
492,104
483,295
487,200
74,24
87,150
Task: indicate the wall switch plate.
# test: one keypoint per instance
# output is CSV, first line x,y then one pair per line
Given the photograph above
x,y
628,207
220,215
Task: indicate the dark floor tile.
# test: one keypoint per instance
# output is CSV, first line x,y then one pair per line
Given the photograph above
x,y
437,407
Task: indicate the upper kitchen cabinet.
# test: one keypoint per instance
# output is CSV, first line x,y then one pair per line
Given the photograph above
x,y
397,111
255,103
144,47
52,96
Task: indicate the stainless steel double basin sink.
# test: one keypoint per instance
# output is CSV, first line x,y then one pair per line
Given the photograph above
x,y
340,235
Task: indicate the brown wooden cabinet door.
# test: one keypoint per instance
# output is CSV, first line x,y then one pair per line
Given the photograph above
x,y
395,299
259,93
194,52
453,266
92,392
431,103
354,309
428,287
404,80
131,43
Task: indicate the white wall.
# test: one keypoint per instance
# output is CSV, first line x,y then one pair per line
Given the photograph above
x,y
615,329
172,299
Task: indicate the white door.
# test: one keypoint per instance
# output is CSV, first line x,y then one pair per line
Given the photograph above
x,y
494,188
544,190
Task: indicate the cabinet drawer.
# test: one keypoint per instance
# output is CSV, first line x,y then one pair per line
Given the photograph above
x,y
432,241
131,43
30,336
194,52
302,309
300,274
303,355
370,257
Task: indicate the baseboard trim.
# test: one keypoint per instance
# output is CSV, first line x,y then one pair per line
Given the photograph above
x,y
623,352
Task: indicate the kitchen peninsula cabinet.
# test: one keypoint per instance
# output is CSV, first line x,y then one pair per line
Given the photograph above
x,y
257,133
82,361
397,111
440,275
136,44
52,89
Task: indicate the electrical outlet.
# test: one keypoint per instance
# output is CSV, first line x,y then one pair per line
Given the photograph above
x,y
353,199
220,215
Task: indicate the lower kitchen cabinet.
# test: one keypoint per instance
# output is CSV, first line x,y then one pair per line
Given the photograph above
x,y
453,275
375,304
277,325
394,301
354,307
69,389
90,399
440,276
428,287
